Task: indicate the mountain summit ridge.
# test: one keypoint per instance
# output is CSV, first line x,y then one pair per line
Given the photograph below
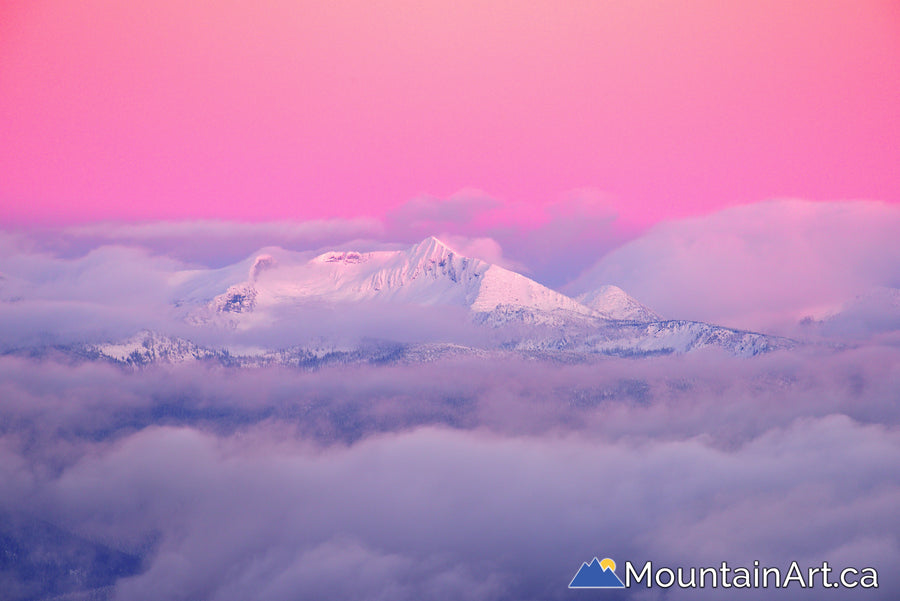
x,y
427,273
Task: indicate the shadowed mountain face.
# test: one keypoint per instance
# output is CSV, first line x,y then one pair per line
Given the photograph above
x,y
39,560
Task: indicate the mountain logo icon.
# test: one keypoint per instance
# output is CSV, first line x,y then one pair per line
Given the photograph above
x,y
597,574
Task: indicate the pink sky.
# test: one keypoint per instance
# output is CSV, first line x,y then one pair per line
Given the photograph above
x,y
139,111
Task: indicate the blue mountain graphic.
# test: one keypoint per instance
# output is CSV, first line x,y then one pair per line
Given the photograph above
x,y
593,576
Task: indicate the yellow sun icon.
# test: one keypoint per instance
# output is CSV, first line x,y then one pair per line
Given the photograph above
x,y
608,563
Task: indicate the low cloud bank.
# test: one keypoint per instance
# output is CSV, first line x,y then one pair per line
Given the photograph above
x,y
460,479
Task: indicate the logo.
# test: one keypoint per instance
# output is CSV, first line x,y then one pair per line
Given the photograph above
x,y
597,574
602,574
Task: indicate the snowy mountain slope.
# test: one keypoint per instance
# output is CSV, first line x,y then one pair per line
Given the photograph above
x,y
148,347
525,330
516,330
612,338
194,287
429,273
612,302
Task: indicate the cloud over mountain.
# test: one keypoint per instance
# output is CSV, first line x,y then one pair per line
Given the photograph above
x,y
761,265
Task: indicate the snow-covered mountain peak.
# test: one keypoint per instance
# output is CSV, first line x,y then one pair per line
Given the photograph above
x,y
427,273
276,287
430,249
504,288
433,256
614,303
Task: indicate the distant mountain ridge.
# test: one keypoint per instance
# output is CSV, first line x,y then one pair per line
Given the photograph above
x,y
521,315
513,313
